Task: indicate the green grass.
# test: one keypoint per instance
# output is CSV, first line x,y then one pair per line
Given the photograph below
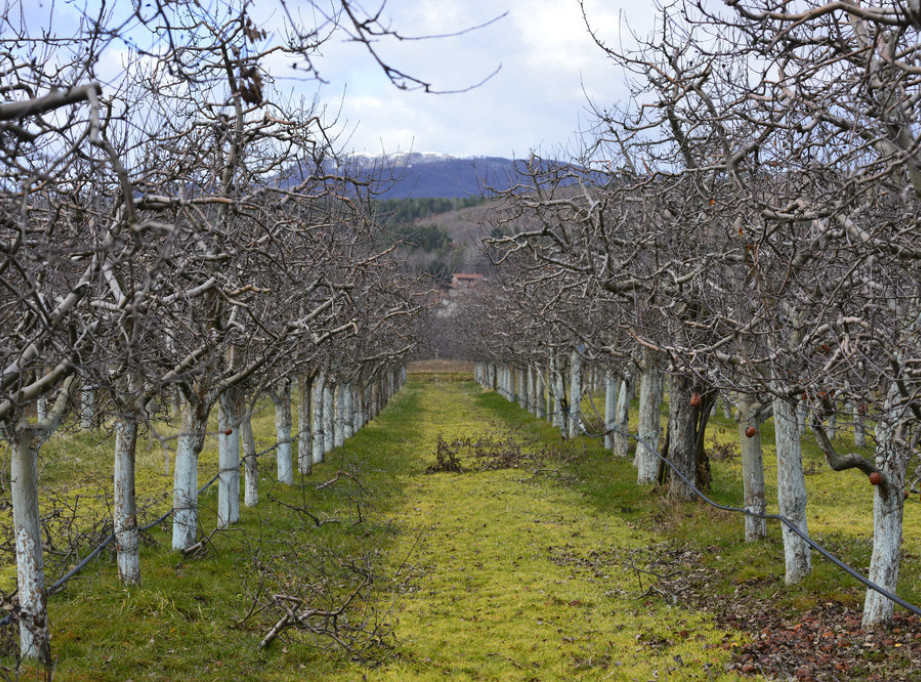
x,y
491,575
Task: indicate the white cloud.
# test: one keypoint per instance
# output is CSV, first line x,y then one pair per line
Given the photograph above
x,y
538,99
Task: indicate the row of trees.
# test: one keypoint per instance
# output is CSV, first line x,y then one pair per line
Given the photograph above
x,y
756,235
171,227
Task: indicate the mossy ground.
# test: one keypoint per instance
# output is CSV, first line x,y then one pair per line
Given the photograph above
x,y
489,575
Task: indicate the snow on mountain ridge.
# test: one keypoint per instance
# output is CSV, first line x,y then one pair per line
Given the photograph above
x,y
365,160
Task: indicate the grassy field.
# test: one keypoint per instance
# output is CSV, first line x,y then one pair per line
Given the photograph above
x,y
537,572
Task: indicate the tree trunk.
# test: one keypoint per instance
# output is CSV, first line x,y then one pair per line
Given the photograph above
x,y
125,519
610,408
358,407
620,440
560,410
802,416
540,394
831,424
283,454
752,468
791,490
682,439
34,635
892,457
250,463
87,407
304,425
523,401
339,419
319,420
575,393
185,473
228,483
646,459
860,429
348,411
329,416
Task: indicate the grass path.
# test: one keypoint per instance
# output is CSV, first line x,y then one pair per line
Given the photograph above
x,y
485,575
512,576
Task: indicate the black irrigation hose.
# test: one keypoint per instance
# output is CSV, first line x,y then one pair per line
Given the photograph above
x,y
783,519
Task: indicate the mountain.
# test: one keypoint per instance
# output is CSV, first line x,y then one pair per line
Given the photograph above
x,y
416,175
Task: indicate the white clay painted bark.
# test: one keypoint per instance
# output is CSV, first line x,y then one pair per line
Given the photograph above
x,y
752,468
284,453
620,439
319,435
228,482
575,393
87,407
357,408
329,416
125,519
652,380
892,457
348,411
250,463
304,425
791,490
540,391
560,416
523,400
860,428
339,419
185,474
30,569
682,441
610,407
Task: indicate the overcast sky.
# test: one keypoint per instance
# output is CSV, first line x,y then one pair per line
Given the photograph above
x,y
549,69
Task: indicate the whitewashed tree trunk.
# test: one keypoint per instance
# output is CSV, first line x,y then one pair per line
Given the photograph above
x,y
339,423
531,393
610,407
304,425
41,408
228,482
652,380
752,468
319,419
802,416
540,393
87,407
284,452
620,440
860,428
34,635
329,417
125,519
575,393
831,424
791,490
523,400
185,473
250,463
348,411
682,439
892,457
357,410
559,414
25,440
